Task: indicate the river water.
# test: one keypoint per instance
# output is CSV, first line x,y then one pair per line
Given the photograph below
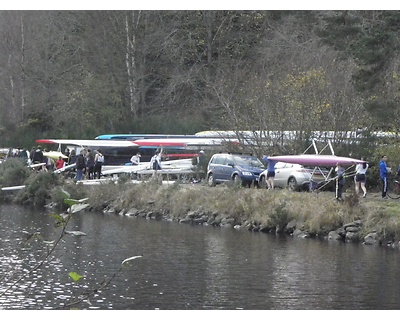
x,y
185,267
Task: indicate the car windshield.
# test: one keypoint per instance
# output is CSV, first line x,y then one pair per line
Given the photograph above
x,y
248,161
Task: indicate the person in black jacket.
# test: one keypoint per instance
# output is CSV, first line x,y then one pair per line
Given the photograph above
x,y
90,164
80,166
37,156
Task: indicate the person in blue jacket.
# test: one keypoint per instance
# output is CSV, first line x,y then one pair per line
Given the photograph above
x,y
270,172
383,172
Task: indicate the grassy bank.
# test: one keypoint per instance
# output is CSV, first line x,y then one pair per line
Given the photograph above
x,y
309,214
314,214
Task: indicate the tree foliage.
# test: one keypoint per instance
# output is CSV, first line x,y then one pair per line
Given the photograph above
x,y
78,74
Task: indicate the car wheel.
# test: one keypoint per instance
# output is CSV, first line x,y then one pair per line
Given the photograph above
x,y
210,180
236,180
184,178
262,183
292,184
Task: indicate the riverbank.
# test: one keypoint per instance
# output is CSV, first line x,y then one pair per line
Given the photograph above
x,y
370,220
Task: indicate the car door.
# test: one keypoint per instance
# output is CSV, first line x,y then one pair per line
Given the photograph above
x,y
229,167
218,167
281,174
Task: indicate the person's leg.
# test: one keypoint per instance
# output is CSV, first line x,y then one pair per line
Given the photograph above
x,y
77,175
268,181
384,187
96,171
364,189
357,186
272,183
337,189
91,172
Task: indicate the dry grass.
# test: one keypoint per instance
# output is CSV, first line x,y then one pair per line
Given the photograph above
x,y
315,213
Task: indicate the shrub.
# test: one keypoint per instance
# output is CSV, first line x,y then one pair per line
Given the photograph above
x,y
38,189
279,216
13,172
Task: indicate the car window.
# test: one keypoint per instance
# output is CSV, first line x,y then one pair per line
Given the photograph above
x,y
248,161
219,160
229,160
280,165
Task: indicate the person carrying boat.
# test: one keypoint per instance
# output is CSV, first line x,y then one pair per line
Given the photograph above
x,y
360,178
270,172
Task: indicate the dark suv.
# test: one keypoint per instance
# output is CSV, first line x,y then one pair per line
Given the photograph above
x,y
238,168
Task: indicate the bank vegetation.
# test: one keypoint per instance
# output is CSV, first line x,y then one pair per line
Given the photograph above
x,y
301,214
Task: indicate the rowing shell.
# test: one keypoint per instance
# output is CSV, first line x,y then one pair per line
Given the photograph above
x,y
13,188
89,143
317,160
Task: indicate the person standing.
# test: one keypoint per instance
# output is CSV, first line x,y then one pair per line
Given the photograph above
x,y
360,178
155,163
339,181
200,164
270,172
49,162
383,173
60,163
72,157
80,165
98,164
37,156
24,155
90,164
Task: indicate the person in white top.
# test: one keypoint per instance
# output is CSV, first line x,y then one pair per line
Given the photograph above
x,y
98,163
155,163
135,160
360,178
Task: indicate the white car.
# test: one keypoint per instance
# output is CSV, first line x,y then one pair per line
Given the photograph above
x,y
295,176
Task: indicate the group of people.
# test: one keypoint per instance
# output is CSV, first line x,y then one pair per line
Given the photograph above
x,y
36,156
88,163
360,177
155,161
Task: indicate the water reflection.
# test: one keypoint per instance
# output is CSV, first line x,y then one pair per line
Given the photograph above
x,y
189,267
